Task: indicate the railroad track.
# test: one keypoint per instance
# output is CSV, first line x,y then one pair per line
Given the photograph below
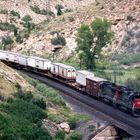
x,y
101,110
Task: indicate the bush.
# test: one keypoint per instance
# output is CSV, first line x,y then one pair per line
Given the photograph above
x,y
75,136
7,26
18,120
37,10
14,13
7,41
59,9
27,18
60,135
40,103
72,122
18,87
59,40
33,82
68,10
3,11
129,18
19,39
27,96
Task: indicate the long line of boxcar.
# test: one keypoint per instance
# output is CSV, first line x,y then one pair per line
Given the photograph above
x,y
118,96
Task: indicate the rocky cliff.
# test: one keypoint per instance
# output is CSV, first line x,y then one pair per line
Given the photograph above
x,y
124,15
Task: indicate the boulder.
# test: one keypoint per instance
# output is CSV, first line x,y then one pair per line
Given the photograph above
x,y
64,126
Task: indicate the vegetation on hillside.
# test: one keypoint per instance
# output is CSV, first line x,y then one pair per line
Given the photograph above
x,y
91,39
21,119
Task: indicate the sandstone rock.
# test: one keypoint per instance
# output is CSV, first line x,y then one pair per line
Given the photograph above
x,y
64,126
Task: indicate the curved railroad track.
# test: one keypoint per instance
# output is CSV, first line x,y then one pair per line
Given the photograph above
x,y
101,110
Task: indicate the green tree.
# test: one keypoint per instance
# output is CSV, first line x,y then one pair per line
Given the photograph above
x,y
27,18
91,39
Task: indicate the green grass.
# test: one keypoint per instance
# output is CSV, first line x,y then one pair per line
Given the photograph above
x,y
55,101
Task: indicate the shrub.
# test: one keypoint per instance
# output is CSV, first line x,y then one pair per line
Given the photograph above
x,y
3,11
19,39
18,120
27,18
7,41
7,26
41,87
14,13
68,10
29,25
37,10
40,103
59,9
60,135
129,18
72,122
27,96
91,127
59,40
33,82
18,87
75,136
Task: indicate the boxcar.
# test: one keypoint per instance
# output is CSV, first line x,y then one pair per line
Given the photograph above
x,y
93,85
39,63
9,56
81,76
2,54
64,71
22,59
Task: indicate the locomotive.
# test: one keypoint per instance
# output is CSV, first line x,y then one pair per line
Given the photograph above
x,y
85,81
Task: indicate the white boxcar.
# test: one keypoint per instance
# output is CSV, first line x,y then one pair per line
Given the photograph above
x,y
2,54
22,59
62,70
40,63
9,56
81,76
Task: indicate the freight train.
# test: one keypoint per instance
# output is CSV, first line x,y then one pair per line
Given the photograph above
x,y
85,81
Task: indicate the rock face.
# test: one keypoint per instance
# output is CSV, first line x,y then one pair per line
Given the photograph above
x,y
53,128
123,14
8,80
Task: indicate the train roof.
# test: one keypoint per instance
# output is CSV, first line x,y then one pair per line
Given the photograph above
x,y
97,79
63,65
14,53
38,58
85,72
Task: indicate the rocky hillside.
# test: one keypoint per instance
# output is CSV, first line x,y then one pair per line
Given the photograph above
x,y
124,15
8,79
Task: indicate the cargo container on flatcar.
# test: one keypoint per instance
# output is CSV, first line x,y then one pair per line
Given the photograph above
x,y
93,85
65,71
38,63
81,76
